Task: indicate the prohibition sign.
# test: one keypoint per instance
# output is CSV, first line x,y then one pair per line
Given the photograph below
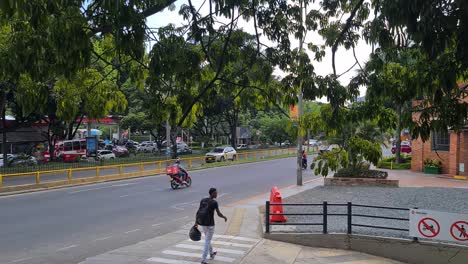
x,y
428,227
460,229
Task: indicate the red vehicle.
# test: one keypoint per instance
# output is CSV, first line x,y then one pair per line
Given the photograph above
x,y
71,150
405,147
176,181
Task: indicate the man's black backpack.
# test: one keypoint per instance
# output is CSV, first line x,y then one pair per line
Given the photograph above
x,y
202,212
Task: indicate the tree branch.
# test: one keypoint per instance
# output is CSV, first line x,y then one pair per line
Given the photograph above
x,y
343,32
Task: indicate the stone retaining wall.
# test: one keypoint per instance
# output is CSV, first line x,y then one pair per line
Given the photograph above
x,y
361,182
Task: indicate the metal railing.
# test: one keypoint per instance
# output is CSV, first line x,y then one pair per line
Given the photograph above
x,y
157,166
350,216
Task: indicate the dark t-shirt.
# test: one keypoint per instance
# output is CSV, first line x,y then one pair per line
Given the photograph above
x,y
207,219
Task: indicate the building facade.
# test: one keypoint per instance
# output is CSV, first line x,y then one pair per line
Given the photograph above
x,y
449,147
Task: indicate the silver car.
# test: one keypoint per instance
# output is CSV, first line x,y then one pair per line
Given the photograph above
x,y
221,154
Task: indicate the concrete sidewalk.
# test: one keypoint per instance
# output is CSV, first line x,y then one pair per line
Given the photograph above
x,y
237,241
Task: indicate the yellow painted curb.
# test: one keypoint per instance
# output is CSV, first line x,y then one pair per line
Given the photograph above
x,y
460,177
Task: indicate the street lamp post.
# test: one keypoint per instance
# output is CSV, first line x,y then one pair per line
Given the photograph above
x,y
299,96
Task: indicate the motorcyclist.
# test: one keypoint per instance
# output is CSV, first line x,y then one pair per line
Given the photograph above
x,y
182,172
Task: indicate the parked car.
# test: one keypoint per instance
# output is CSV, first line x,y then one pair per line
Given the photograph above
x,y
131,145
405,147
9,158
242,146
314,143
182,151
105,155
119,151
324,149
21,160
221,154
147,147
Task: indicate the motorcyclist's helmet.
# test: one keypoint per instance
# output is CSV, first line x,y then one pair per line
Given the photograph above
x,y
177,161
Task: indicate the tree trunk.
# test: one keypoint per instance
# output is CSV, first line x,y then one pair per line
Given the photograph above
x,y
398,136
174,145
4,132
4,136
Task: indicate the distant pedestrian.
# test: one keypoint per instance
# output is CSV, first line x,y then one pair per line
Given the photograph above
x,y
205,218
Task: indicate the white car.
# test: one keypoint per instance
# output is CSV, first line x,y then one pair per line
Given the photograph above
x,y
221,154
147,147
105,155
242,146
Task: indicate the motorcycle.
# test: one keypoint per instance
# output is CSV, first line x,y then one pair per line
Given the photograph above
x,y
176,180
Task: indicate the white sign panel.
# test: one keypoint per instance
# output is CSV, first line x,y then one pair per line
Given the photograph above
x,y
436,225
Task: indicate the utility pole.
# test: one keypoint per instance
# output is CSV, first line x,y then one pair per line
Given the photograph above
x,y
168,137
299,96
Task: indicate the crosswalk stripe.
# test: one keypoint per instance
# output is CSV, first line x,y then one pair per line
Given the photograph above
x,y
187,254
237,238
171,261
216,242
222,250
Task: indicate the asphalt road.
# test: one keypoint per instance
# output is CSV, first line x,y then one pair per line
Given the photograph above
x,y
68,225
91,172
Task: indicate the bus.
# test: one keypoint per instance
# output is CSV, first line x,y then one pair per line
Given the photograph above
x,y
71,150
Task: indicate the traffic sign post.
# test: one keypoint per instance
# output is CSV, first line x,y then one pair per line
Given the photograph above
x,y
436,225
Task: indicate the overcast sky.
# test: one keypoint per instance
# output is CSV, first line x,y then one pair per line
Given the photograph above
x,y
344,59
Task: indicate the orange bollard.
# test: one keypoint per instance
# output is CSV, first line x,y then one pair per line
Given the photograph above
x,y
275,198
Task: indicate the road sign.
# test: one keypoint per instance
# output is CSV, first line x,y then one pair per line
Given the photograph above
x,y
436,225
428,227
293,112
459,230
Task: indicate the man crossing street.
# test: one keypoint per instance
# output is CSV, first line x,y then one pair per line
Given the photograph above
x,y
205,219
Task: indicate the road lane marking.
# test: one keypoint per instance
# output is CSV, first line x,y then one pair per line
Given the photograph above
x,y
69,247
132,231
92,189
122,196
222,250
19,260
157,224
171,261
196,255
225,243
102,238
180,218
103,187
124,184
248,239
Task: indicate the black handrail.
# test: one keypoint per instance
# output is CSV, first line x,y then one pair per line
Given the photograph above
x,y
325,214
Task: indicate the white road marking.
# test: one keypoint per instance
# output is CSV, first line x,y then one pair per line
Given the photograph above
x,y
103,187
69,247
92,189
171,261
222,250
19,260
238,238
223,194
122,196
123,184
178,206
102,238
181,218
157,224
196,255
226,243
131,231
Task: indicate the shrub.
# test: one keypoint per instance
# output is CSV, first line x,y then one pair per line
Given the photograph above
x,y
432,163
359,173
389,165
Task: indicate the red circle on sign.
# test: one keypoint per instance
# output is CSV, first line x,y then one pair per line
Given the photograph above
x,y
423,223
463,232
